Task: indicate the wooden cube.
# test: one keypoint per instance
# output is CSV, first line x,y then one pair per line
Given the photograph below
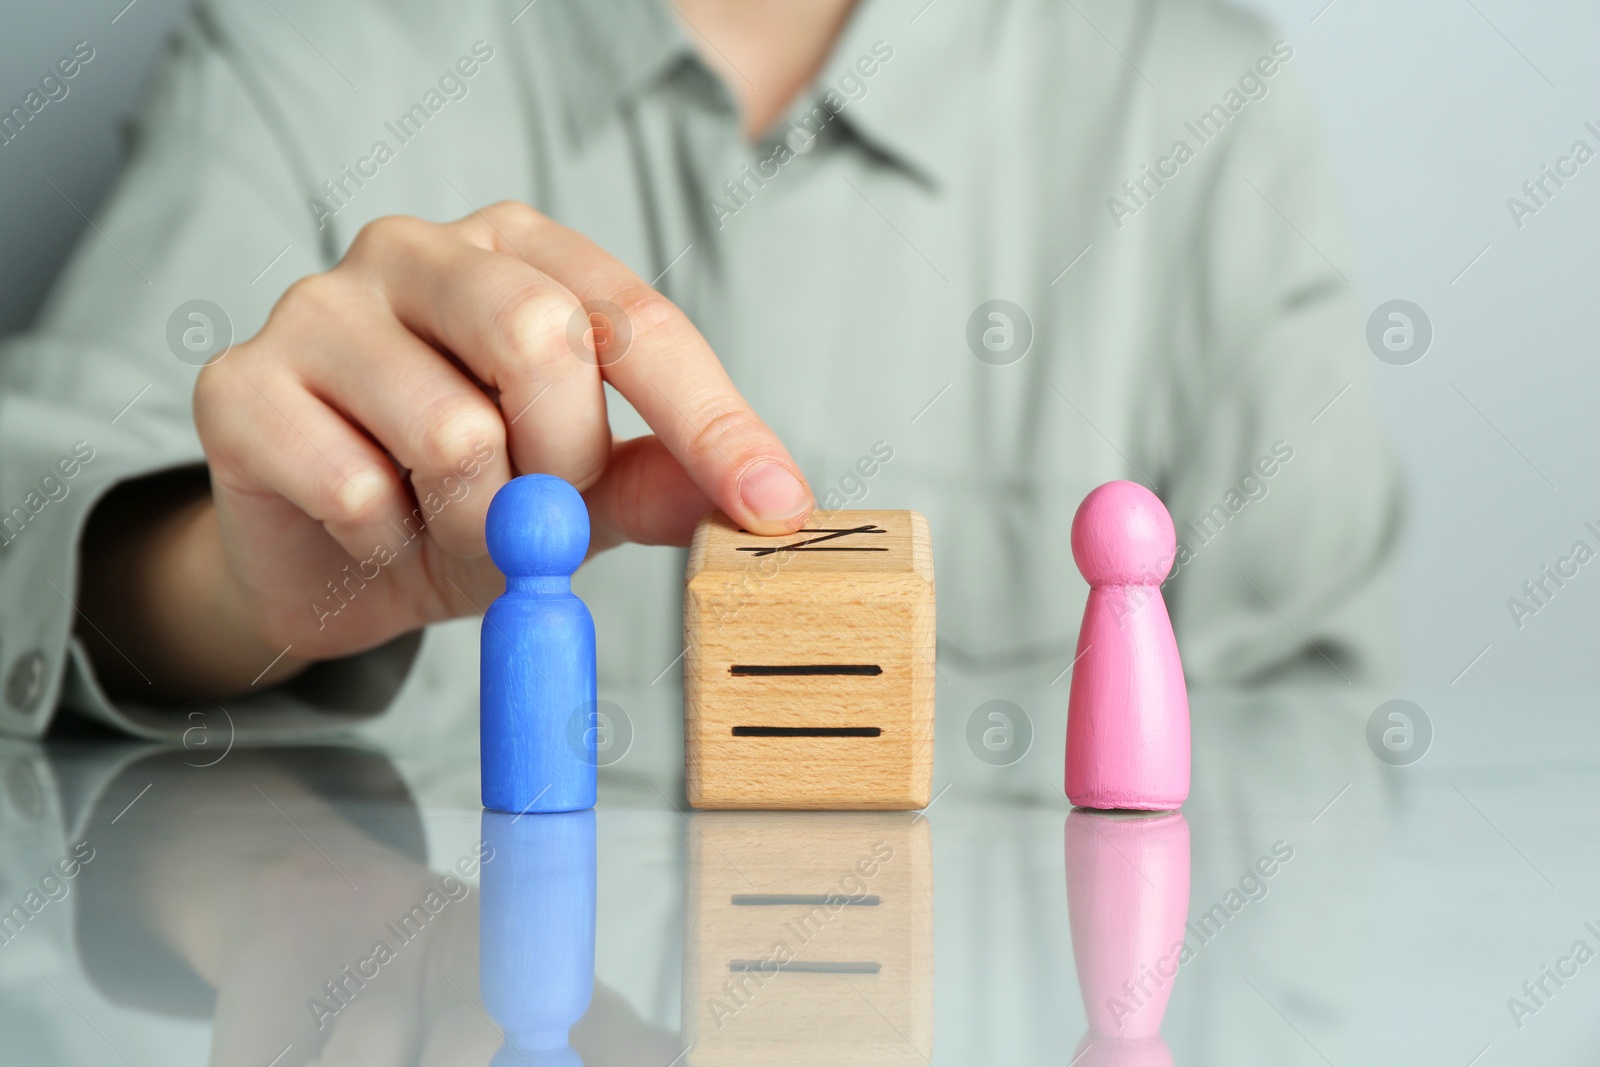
x,y
809,664
808,938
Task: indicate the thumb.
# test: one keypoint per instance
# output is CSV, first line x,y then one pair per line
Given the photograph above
x,y
644,496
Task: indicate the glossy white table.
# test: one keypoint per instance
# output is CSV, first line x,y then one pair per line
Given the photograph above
x,y
229,886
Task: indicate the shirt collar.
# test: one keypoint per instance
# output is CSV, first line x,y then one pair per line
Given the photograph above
x,y
607,53
906,109
610,52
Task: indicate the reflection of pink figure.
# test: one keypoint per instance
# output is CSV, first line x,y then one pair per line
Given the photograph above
x,y
1128,715
1128,901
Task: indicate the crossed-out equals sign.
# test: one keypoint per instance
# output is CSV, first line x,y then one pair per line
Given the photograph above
x,y
815,544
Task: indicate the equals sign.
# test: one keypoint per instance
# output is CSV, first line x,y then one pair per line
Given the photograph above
x,y
792,670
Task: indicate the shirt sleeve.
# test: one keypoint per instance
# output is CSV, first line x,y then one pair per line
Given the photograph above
x,y
209,220
1285,489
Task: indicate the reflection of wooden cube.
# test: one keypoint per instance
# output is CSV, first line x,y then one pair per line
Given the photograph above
x,y
808,939
809,664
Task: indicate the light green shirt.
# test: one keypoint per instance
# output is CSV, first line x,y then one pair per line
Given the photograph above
x,y
1142,183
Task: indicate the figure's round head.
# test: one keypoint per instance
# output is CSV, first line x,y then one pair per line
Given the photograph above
x,y
1123,534
538,526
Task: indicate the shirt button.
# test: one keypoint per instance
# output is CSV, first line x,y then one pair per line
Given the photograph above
x,y
23,790
25,683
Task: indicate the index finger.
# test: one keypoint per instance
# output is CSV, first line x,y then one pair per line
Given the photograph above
x,y
668,372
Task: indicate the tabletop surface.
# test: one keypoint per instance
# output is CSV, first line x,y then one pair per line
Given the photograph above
x,y
1343,886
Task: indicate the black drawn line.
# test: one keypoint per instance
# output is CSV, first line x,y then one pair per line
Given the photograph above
x,y
768,670
807,731
828,535
804,966
871,900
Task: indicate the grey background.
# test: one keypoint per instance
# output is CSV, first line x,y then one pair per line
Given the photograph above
x,y
1436,111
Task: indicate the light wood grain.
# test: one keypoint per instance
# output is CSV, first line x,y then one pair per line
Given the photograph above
x,y
855,984
845,601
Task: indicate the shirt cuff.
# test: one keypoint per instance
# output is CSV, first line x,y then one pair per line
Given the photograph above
x,y
329,697
58,463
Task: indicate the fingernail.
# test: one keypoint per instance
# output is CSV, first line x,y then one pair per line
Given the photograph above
x,y
772,492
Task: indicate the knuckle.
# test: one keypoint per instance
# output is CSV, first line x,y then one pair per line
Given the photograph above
x,y
646,309
454,431
356,502
514,212
316,297
533,322
501,225
387,232
729,431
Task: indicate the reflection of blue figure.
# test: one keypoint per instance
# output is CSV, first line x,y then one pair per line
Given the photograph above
x,y
536,933
538,670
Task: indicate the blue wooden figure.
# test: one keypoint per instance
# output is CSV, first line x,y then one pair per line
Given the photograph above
x,y
536,933
537,683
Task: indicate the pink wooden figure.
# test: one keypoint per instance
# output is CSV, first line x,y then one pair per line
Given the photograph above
x,y
1127,902
1128,715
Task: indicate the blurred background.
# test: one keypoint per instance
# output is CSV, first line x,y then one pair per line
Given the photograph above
x,y
1437,112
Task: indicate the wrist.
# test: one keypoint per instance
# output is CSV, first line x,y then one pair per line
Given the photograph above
x,y
163,617
210,643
